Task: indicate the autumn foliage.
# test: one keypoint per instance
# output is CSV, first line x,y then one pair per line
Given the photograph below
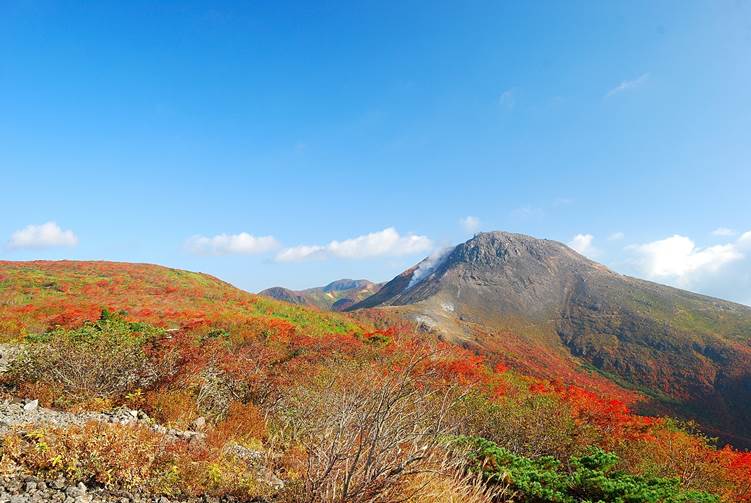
x,y
337,408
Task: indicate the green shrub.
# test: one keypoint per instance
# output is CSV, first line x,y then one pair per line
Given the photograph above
x,y
590,478
103,359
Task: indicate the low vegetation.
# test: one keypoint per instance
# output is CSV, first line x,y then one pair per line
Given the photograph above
x,y
377,416
592,477
290,405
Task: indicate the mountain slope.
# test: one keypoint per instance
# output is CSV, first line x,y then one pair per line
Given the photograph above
x,y
336,296
199,401
40,294
547,309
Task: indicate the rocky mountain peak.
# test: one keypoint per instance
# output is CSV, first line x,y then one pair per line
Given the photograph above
x,y
493,249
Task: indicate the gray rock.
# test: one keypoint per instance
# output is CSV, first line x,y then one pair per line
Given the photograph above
x,y
76,491
242,452
31,406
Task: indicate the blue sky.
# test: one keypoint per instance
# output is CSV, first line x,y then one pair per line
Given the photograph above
x,y
147,129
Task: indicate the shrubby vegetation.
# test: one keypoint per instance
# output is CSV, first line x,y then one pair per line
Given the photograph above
x,y
364,438
592,477
37,295
101,360
132,457
324,415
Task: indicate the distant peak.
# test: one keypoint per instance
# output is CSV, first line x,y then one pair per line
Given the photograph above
x,y
346,284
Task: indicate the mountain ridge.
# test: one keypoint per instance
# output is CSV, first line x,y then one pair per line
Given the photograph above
x,y
335,296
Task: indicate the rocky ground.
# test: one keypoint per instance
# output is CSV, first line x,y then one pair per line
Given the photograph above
x,y
20,489
16,413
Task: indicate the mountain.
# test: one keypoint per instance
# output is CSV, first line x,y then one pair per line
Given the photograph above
x,y
544,308
336,296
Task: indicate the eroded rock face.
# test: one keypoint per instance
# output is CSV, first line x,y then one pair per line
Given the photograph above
x,y
497,271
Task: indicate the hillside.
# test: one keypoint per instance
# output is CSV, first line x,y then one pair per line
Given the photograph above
x,y
40,294
549,311
336,296
149,383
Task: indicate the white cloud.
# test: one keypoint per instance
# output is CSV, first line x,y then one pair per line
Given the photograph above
x,y
301,252
387,242
723,231
232,244
722,270
507,99
48,235
470,224
679,258
582,243
628,85
616,236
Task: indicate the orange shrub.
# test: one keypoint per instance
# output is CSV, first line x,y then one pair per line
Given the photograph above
x,y
48,394
112,455
176,408
242,423
133,458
